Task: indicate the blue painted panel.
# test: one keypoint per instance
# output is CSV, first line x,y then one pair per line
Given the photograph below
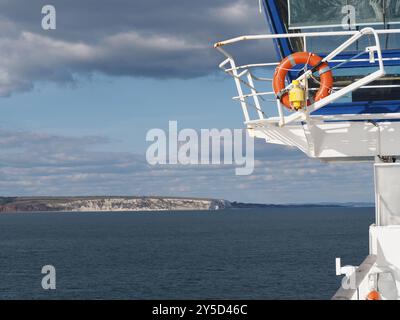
x,y
278,27
373,107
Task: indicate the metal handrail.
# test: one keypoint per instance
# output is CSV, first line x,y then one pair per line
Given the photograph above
x,y
303,115
298,35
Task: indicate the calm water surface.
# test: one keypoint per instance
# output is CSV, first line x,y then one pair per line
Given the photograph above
x,y
282,253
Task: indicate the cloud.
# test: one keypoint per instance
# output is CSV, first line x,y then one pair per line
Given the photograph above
x,y
41,164
157,39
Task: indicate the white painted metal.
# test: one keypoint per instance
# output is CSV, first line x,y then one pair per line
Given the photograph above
x,y
355,85
297,35
362,283
345,270
384,244
334,141
381,270
301,115
269,93
338,266
274,64
353,137
254,93
387,192
323,134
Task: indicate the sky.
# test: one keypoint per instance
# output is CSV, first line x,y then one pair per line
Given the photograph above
x,y
77,102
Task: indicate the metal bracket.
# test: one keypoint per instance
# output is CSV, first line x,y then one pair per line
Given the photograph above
x,y
371,51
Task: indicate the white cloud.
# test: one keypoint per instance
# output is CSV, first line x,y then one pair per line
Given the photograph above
x,y
57,165
170,39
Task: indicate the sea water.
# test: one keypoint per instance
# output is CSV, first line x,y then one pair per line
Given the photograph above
x,y
271,253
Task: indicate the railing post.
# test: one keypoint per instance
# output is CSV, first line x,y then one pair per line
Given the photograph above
x,y
239,90
300,115
280,112
255,97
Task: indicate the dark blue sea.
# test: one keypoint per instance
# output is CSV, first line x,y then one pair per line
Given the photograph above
x,y
277,253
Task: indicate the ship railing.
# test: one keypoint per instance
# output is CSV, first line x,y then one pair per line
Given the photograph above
x,y
245,78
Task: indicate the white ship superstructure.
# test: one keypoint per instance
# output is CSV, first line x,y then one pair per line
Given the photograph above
x,y
357,119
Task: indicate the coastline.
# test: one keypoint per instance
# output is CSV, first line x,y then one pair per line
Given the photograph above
x,y
139,204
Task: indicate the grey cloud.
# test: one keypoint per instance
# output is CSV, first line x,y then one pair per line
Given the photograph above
x,y
58,165
159,39
43,141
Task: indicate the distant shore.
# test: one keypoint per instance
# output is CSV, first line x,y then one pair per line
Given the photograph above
x,y
301,205
145,203
107,203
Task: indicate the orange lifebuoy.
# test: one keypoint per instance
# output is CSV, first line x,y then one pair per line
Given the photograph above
x,y
305,58
373,295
